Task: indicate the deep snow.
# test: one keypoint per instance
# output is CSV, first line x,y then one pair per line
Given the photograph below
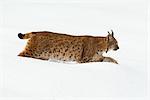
x,y
31,78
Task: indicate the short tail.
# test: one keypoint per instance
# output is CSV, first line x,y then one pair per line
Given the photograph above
x,y
25,36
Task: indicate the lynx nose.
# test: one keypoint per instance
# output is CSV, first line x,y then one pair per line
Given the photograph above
x,y
116,48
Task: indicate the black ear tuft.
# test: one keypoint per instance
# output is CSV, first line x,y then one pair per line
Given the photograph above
x,y
108,33
112,33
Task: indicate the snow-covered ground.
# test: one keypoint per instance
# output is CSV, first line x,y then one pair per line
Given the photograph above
x,y
26,78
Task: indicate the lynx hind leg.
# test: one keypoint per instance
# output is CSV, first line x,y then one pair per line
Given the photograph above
x,y
31,55
25,54
109,59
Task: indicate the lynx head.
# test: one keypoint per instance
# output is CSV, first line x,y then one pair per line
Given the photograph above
x,y
112,43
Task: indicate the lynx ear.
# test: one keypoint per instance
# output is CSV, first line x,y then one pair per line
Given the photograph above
x,y
112,33
109,33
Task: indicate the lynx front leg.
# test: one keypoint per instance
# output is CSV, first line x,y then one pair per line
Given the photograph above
x,y
100,58
109,59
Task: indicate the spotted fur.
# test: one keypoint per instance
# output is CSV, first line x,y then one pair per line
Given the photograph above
x,y
82,49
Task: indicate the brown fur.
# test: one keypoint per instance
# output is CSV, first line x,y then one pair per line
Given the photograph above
x,y
49,45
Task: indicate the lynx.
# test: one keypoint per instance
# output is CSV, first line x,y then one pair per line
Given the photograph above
x,y
82,49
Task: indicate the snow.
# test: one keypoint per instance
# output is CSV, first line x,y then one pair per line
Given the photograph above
x,y
27,78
